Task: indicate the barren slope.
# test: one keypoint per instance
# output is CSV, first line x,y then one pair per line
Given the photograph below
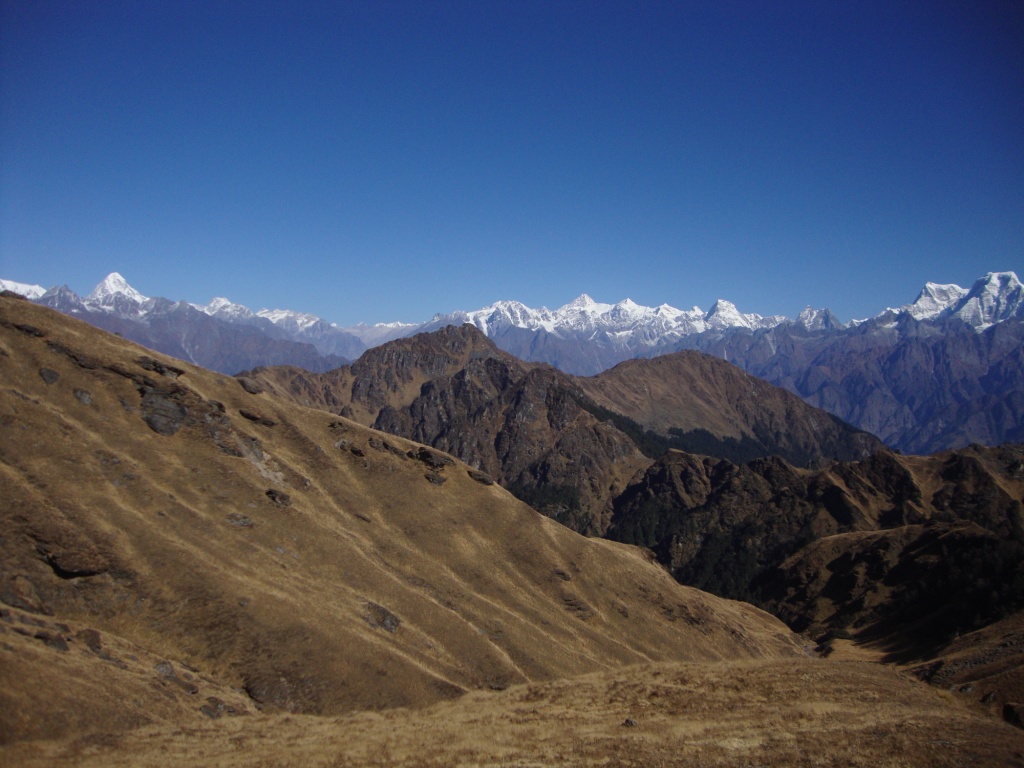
x,y
799,712
166,529
688,391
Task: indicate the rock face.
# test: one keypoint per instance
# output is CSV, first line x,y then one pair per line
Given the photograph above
x,y
565,445
909,549
203,564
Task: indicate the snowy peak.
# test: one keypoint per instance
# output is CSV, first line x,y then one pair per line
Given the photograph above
x,y
115,295
934,299
26,290
993,298
724,315
996,297
295,322
583,301
227,310
818,319
114,285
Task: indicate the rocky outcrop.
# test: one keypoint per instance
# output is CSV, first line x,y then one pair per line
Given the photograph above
x,y
891,548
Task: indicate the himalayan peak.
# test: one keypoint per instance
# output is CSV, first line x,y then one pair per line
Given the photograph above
x,y
993,298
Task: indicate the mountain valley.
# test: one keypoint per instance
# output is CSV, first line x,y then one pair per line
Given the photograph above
x,y
200,568
567,445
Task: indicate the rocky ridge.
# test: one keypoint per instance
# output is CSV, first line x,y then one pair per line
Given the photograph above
x,y
566,445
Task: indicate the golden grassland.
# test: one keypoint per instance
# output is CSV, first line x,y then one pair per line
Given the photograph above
x,y
797,712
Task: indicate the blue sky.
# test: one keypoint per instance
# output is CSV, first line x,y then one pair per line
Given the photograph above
x,y
378,161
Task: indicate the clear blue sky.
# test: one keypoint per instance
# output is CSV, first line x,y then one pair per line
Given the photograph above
x,y
377,161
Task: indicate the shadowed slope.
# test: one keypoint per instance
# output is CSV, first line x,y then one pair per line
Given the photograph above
x,y
181,522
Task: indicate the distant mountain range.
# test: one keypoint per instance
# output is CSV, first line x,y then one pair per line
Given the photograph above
x,y
940,372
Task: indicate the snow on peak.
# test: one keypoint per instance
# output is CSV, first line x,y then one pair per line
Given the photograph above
x,y
26,290
934,299
114,294
227,309
114,285
289,319
583,301
817,319
723,314
993,298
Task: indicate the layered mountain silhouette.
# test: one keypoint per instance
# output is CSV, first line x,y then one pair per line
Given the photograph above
x,y
940,372
567,445
181,330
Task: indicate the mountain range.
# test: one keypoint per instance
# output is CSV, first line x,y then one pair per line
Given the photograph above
x,y
198,569
943,371
567,445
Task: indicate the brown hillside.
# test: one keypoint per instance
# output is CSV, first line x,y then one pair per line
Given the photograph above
x,y
688,390
904,553
795,712
566,445
174,539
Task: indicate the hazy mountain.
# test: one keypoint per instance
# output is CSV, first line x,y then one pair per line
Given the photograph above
x,y
185,332
943,372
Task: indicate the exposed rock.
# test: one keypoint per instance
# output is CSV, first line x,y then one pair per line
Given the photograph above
x,y
379,616
53,641
250,385
481,477
279,497
91,639
170,371
163,410
431,459
84,396
49,375
255,417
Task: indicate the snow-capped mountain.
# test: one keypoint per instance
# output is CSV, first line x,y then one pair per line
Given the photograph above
x,y
934,299
26,290
859,372
993,298
620,324
226,309
996,297
114,294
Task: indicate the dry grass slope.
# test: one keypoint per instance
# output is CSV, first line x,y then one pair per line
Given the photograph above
x,y
167,530
800,712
